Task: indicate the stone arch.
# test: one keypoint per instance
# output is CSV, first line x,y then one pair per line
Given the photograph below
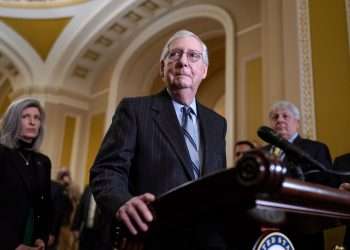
x,y
22,55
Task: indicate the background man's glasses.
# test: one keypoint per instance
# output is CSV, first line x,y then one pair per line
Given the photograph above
x,y
192,55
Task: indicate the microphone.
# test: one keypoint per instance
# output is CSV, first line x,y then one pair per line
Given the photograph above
x,y
271,136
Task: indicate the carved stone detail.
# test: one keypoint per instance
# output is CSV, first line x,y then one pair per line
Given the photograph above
x,y
307,105
347,8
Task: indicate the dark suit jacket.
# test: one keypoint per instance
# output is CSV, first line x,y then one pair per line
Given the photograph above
x,y
81,213
319,152
99,236
61,209
144,150
342,163
18,197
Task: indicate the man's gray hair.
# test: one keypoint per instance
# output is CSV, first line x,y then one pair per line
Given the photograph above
x,y
10,128
285,105
180,34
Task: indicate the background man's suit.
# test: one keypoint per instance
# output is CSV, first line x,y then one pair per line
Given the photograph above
x,y
144,150
342,163
94,236
61,211
319,152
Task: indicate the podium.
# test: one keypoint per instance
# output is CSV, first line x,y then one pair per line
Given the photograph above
x,y
252,197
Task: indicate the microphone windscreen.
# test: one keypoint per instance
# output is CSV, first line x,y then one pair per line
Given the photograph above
x,y
268,135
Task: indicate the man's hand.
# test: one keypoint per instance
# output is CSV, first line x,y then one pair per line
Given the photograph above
x,y
345,186
39,245
135,213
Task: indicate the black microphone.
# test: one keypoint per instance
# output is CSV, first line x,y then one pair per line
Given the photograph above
x,y
271,136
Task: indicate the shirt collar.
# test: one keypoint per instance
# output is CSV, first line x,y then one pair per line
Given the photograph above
x,y
293,137
178,105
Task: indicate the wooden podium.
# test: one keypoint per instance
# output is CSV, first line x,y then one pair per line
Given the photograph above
x,y
251,198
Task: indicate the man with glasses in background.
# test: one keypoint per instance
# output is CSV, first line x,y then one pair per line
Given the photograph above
x,y
159,142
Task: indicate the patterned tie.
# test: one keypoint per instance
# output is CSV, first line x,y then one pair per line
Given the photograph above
x,y
191,138
278,153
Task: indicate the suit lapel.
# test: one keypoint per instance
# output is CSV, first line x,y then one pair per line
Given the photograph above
x,y
165,117
207,138
297,142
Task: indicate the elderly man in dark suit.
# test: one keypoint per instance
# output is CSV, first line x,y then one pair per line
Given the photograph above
x,y
285,120
158,142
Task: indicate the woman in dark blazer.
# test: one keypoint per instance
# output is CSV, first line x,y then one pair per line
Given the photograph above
x,y
24,178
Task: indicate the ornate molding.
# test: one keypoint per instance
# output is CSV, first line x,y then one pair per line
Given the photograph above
x,y
347,8
53,95
307,105
39,3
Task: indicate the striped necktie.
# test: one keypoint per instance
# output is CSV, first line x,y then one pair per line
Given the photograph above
x,y
191,138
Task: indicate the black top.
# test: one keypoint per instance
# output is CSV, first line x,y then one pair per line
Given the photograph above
x,y
25,188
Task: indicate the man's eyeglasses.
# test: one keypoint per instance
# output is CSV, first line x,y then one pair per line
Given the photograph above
x,y
192,55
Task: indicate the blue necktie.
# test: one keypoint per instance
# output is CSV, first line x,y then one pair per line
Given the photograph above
x,y
191,138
